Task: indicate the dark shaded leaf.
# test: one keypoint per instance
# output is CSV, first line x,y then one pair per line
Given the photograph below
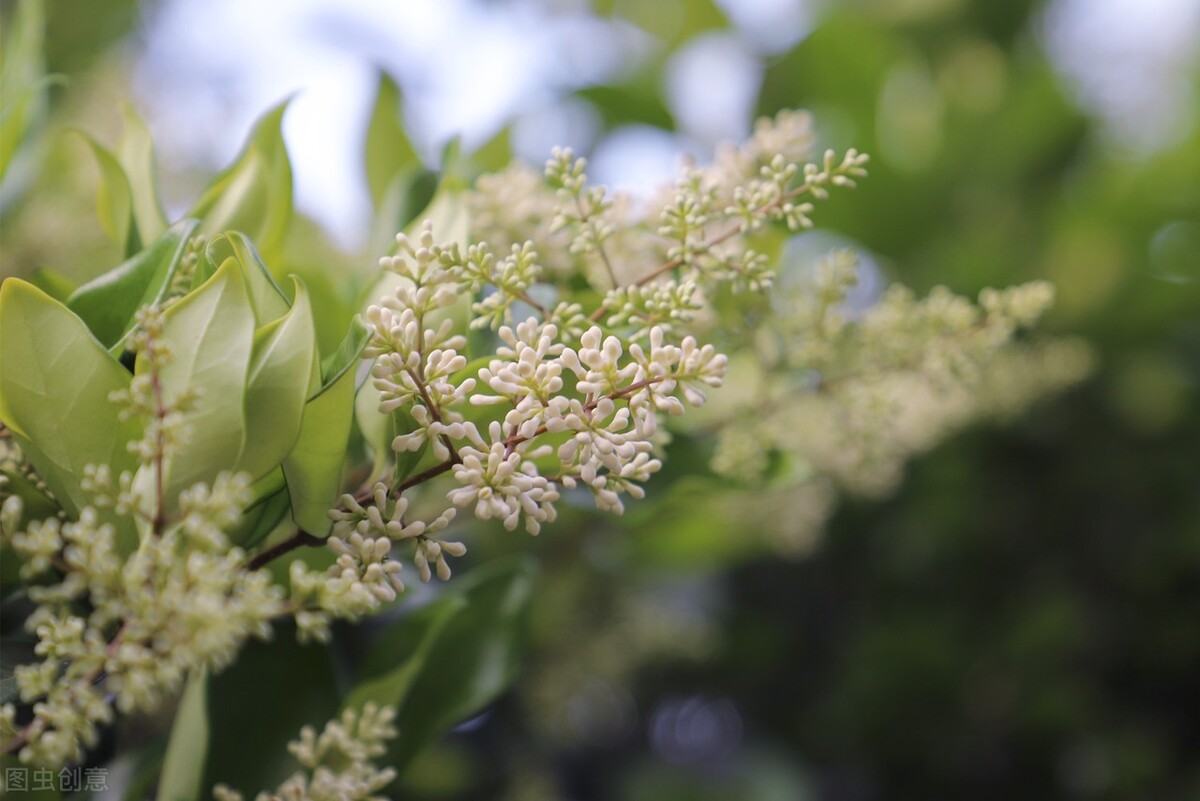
x,y
451,659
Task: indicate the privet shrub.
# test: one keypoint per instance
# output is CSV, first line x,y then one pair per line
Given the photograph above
x,y
186,466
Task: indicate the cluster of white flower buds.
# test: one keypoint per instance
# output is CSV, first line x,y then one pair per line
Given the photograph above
x,y
572,390
508,385
608,417
182,601
569,398
164,428
338,762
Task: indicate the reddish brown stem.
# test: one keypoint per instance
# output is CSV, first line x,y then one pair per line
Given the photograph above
x,y
298,540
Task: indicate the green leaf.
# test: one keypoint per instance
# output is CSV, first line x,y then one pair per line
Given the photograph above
x,y
495,154
409,193
378,429
261,519
54,392
455,171
210,333
17,650
114,199
22,87
347,355
448,215
264,512
109,303
53,283
333,295
388,151
313,469
183,767
451,659
10,571
406,462
265,487
143,766
254,194
268,298
417,637
135,152
638,101
277,386
36,504
292,685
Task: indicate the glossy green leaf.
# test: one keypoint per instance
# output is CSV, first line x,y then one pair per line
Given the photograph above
x,y
267,297
261,520
454,167
269,505
265,487
333,297
347,355
407,462
388,149
254,194
109,303
277,386
313,469
114,199
54,392
135,152
465,650
211,334
183,767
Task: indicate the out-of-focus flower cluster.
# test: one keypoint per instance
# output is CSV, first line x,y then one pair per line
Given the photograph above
x,y
182,601
338,764
120,626
120,629
853,396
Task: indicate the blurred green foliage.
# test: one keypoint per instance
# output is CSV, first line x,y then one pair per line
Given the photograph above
x,y
1019,620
